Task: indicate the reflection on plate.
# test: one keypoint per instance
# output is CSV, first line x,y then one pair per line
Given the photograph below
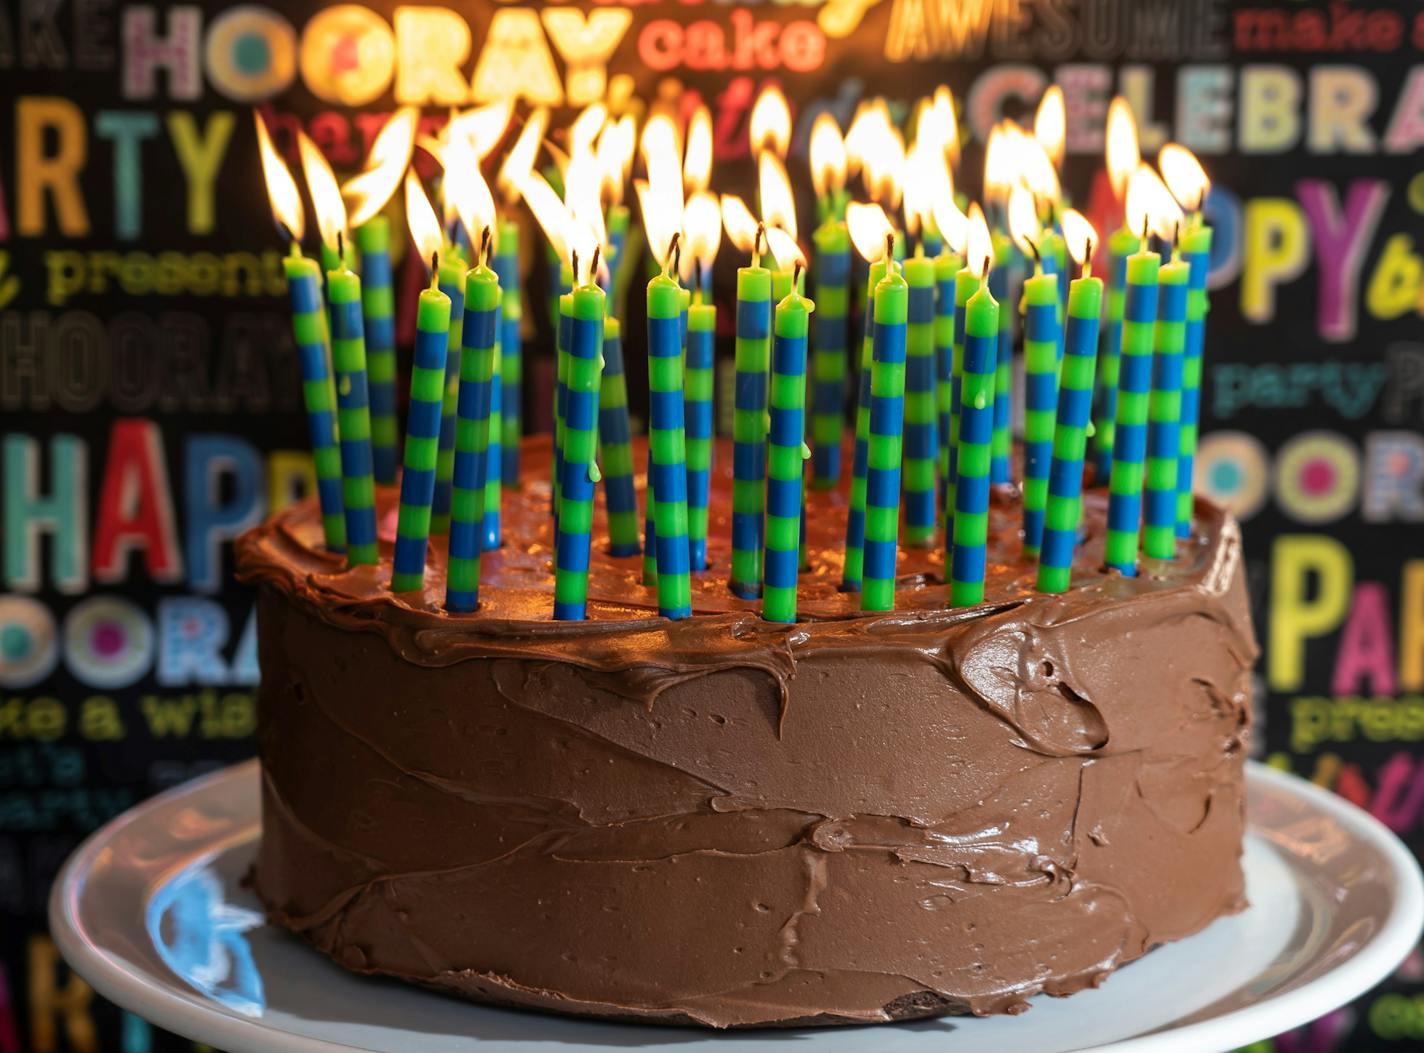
x,y
152,911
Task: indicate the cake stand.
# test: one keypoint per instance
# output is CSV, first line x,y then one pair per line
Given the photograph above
x,y
151,910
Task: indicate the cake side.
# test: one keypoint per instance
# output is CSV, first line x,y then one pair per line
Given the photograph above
x,y
732,823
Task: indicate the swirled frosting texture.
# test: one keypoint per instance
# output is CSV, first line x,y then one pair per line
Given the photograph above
x,y
729,823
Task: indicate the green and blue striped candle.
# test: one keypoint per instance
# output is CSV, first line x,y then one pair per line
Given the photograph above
x,y
700,381
1196,250
966,284
786,445
563,338
480,336
373,238
1041,343
889,311
309,332
667,439
1053,252
573,537
1070,437
353,416
511,353
854,567
494,492
1133,395
1000,280
422,440
752,361
976,436
921,423
451,277
1122,243
831,268
616,443
947,266
1164,441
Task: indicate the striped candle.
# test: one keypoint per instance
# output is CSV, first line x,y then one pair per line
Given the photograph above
x,y
921,425
976,434
831,268
966,284
480,334
650,527
887,422
1070,438
373,238
494,455
318,394
451,277
855,515
1134,385
1005,259
1121,244
563,338
1196,250
1053,252
701,330
1041,343
1164,442
573,535
353,416
786,444
511,353
422,440
616,445
947,266
753,359
667,442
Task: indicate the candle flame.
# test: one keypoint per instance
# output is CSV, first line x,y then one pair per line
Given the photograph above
x,y
424,226
740,224
979,246
770,122
1050,124
883,166
864,129
1123,153
1184,175
828,156
944,123
784,249
1079,234
1023,221
616,144
662,202
586,127
869,227
325,191
1036,171
483,127
926,177
1150,204
697,158
702,229
282,192
519,162
1003,160
778,206
953,224
367,192
548,211
465,189
582,187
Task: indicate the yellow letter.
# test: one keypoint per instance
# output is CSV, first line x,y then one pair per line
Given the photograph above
x,y
431,43
48,1000
290,477
1342,99
1270,109
1411,627
56,174
1276,249
1295,558
201,156
586,46
1394,285
348,55
516,61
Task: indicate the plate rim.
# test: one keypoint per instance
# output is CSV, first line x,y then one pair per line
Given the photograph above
x,y
182,1011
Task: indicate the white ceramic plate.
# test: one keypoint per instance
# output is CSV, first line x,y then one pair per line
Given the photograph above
x,y
152,912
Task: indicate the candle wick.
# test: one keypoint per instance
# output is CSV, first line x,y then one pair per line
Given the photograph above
x,y
573,265
1088,259
984,273
485,237
697,278
435,270
674,255
1146,219
593,270
340,248
890,248
796,276
1037,259
757,241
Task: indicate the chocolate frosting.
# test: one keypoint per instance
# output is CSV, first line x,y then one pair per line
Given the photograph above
x,y
727,822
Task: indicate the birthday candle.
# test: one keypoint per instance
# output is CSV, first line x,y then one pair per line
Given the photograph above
x,y
701,329
615,441
786,444
472,435
921,429
1121,244
1070,438
667,441
966,284
947,266
494,456
1130,442
1159,538
860,460
373,238
1052,254
573,537
1005,259
828,353
309,332
753,358
353,411
1196,250
511,353
451,276
563,339
650,526
887,421
1041,342
422,440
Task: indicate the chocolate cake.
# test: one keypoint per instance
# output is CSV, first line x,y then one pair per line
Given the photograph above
x,y
727,822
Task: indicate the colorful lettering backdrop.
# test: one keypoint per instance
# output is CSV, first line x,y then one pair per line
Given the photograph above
x,y
149,400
